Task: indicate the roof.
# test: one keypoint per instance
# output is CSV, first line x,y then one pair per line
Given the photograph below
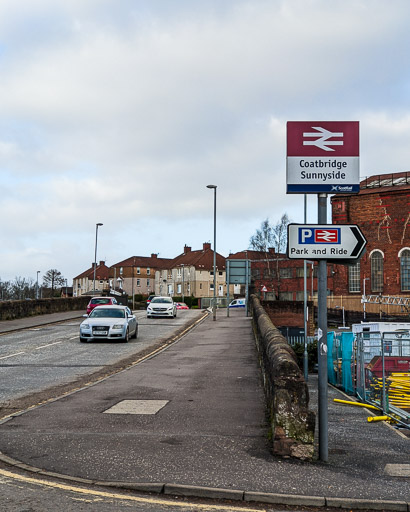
x,y
202,259
254,255
143,261
101,272
381,183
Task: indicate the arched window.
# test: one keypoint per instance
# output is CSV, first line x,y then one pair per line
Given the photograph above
x,y
405,270
376,269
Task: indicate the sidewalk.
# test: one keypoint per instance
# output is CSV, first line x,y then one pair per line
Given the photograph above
x,y
192,421
36,321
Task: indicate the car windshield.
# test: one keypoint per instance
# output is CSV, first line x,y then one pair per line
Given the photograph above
x,y
167,300
107,313
100,301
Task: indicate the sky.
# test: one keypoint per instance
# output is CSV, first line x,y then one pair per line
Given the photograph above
x,y
121,112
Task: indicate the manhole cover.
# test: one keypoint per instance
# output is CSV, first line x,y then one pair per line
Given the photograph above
x,y
137,407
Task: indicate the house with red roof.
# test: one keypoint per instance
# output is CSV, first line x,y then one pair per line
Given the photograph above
x,y
83,284
136,274
192,274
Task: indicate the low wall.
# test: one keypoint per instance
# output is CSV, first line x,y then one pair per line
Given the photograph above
x,y
292,424
13,309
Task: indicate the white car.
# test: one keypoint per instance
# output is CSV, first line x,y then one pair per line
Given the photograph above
x,y
162,306
109,323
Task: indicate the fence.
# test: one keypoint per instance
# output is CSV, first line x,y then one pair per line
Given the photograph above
x,y
375,366
300,340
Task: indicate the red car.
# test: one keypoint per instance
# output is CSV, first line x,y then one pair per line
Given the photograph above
x,y
182,305
100,301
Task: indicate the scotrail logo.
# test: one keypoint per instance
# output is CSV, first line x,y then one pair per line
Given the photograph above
x,y
322,138
342,188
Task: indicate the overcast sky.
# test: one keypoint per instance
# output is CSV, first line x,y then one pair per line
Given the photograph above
x,y
122,111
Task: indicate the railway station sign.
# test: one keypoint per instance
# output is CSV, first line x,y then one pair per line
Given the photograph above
x,y
322,157
328,241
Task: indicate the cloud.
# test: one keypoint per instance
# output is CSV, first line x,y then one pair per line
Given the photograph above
x,y
122,113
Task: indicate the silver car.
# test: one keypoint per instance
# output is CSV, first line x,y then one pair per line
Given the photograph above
x,y
162,306
109,323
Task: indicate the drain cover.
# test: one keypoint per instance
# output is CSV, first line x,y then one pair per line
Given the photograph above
x,y
397,469
137,407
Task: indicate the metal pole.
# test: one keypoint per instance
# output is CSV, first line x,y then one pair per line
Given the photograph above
x,y
183,282
214,305
227,287
322,341
247,287
305,352
37,294
95,253
364,298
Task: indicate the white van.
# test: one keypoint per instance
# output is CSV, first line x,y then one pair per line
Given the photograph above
x,y
238,303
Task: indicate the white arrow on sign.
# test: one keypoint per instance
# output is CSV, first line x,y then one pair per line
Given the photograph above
x,y
322,141
325,242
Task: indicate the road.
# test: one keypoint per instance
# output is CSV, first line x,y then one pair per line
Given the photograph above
x,y
44,362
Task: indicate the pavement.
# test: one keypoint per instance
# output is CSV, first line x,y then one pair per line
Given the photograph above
x,y
191,421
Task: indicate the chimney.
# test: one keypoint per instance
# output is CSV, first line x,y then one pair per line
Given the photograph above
x,y
207,246
102,263
187,249
153,255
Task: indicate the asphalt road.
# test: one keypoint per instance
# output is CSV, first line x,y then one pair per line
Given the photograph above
x,y
45,361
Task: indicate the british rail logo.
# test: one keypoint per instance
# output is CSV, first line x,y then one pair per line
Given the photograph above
x,y
319,236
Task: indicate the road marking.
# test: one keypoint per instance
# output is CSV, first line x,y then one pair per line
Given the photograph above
x,y
49,345
12,355
137,407
124,497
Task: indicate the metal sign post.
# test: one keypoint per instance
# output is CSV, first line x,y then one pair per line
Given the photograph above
x,y
323,157
322,341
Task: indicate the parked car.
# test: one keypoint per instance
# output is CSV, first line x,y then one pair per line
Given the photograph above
x,y
238,303
181,305
162,306
109,322
100,301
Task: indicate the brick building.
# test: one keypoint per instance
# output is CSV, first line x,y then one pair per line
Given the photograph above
x,y
382,211
283,278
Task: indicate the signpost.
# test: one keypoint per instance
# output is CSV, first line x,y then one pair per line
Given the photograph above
x,y
322,158
335,242
238,272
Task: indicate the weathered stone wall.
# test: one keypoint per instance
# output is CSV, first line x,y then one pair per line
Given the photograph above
x,y
287,394
10,310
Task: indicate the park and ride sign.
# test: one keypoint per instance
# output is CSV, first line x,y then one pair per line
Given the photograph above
x,y
322,157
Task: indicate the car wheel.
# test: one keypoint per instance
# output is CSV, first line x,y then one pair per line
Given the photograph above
x,y
135,333
127,337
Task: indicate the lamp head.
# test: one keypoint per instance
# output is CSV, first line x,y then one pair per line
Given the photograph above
x,y
211,186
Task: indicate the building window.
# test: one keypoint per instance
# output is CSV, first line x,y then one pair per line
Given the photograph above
x,y
211,287
255,273
285,273
148,271
147,282
138,270
354,277
220,273
179,272
405,270
179,288
138,282
300,295
376,269
121,271
285,295
300,272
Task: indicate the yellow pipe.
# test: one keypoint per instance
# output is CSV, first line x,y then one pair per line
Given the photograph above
x,y
381,418
367,406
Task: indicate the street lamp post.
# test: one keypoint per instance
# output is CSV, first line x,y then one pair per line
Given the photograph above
x,y
95,253
214,305
37,294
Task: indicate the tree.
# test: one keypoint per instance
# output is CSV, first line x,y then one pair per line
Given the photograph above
x,y
275,237
53,278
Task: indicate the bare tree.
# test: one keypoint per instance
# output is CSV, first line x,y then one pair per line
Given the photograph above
x,y
275,237
52,279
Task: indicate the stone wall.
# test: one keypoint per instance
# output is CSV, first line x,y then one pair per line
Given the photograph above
x,y
10,310
292,424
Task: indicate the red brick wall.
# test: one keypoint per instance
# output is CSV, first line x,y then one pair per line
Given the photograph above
x,y
383,216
